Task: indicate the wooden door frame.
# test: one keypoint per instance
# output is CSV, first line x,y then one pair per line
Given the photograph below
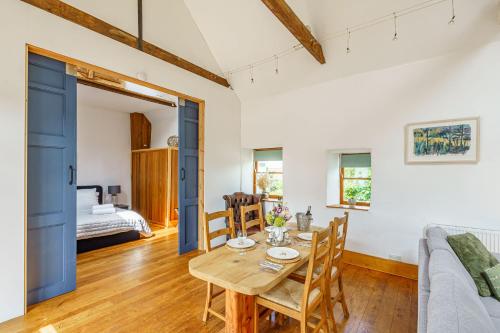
x,y
75,62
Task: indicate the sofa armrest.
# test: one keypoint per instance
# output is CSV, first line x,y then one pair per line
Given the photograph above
x,y
423,285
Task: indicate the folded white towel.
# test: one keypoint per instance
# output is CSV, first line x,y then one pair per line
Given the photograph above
x,y
103,211
94,207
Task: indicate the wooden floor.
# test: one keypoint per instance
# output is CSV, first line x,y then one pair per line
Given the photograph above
x,y
144,286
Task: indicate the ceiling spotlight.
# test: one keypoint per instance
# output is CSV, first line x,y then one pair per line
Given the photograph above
x,y
348,48
395,38
452,20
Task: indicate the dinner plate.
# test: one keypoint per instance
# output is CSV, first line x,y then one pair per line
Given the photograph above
x,y
235,243
307,236
282,253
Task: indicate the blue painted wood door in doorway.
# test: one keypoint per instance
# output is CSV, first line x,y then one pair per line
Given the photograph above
x,y
51,211
188,176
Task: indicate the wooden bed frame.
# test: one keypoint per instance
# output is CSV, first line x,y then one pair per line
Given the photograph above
x,y
89,244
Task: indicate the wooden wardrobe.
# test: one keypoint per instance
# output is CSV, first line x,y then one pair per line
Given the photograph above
x,y
154,175
154,184
140,131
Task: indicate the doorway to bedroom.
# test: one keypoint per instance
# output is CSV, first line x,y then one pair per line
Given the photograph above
x,y
109,157
129,157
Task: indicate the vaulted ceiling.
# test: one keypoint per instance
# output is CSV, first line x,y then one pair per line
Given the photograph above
x,y
223,35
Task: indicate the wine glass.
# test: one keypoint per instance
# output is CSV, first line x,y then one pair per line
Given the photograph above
x,y
241,237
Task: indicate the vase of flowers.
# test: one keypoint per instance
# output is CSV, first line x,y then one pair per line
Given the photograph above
x,y
263,183
278,217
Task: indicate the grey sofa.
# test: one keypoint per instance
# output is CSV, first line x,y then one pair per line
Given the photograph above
x,y
448,301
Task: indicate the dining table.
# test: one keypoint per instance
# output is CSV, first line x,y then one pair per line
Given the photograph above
x,y
239,272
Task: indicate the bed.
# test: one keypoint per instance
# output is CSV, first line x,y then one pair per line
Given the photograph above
x,y
98,231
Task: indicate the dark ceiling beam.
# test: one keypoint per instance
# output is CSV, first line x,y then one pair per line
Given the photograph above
x,y
88,21
292,22
139,25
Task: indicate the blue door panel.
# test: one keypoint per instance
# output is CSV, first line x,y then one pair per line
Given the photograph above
x,y
46,72
188,176
51,235
48,243
47,116
45,168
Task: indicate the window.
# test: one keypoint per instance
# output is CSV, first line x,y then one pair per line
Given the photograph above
x,y
268,172
355,179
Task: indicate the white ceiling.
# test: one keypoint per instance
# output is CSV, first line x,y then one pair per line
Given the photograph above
x,y
106,100
222,35
240,32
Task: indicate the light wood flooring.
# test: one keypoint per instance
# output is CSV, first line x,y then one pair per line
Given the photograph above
x,y
144,286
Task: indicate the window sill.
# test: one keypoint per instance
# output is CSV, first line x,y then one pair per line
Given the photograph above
x,y
363,208
272,200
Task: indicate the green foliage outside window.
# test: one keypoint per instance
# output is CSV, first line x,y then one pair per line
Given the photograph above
x,y
358,184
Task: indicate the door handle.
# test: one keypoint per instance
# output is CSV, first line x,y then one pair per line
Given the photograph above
x,y
183,174
72,175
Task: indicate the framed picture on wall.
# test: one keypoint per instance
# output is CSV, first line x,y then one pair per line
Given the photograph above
x,y
444,141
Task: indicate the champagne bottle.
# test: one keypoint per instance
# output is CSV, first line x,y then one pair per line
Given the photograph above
x,y
308,211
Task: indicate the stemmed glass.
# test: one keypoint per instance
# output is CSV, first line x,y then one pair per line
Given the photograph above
x,y
242,236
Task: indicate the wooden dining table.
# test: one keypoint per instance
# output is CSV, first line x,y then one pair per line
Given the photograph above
x,y
240,274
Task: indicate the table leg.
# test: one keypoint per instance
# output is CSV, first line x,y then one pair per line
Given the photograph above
x,y
239,312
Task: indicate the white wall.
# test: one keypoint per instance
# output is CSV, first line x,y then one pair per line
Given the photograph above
x,y
21,24
370,111
247,170
164,123
332,177
103,150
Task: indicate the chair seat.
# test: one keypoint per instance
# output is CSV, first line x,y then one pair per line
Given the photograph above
x,y
302,271
289,293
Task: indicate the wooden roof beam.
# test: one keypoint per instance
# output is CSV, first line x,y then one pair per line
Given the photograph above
x,y
292,22
88,21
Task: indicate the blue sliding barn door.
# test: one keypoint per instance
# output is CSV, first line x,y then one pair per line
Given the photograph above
x,y
51,238
188,176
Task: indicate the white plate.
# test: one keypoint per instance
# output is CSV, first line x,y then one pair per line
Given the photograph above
x,y
236,244
307,236
282,253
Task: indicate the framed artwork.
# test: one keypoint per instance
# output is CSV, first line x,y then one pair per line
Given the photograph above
x,y
445,141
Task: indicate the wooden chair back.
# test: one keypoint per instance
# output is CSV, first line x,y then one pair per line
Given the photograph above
x,y
319,261
208,236
340,225
258,221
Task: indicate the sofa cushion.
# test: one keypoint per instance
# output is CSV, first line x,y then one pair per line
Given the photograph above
x,y
437,241
496,322
492,277
455,308
436,232
492,306
442,261
475,257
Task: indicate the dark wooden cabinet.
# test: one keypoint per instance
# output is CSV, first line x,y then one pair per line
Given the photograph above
x,y
140,131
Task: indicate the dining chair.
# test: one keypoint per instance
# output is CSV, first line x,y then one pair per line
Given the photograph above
x,y
256,222
300,300
236,201
208,237
338,228
340,225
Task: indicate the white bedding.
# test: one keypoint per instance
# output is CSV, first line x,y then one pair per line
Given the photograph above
x,y
89,225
